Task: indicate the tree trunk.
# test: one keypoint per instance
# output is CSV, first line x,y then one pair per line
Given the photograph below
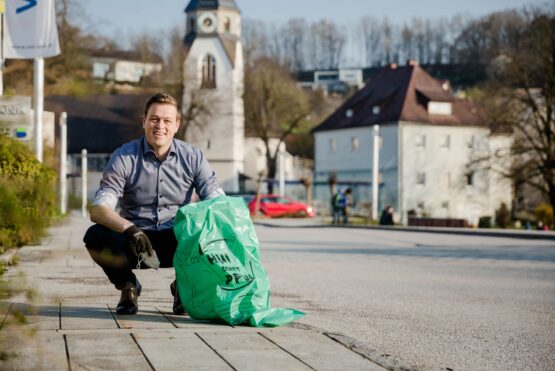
x,y
272,164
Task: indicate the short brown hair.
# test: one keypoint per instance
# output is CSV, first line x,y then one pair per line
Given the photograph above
x,y
161,98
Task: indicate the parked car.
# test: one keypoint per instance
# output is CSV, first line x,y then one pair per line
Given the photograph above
x,y
279,206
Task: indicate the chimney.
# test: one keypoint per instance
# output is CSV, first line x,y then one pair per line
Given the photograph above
x,y
412,62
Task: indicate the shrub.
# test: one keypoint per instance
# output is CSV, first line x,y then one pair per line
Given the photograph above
x,y
502,216
484,222
27,195
544,212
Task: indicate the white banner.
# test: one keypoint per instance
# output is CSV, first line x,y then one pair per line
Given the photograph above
x,y
31,30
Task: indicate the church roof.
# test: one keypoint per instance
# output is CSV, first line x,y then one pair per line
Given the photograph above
x,y
211,4
401,93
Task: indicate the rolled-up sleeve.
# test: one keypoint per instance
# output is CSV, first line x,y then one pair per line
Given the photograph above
x,y
205,181
112,183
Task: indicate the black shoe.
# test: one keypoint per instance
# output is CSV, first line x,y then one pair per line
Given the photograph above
x,y
177,305
128,303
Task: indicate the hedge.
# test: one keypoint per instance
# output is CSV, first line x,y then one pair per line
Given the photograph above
x,y
27,195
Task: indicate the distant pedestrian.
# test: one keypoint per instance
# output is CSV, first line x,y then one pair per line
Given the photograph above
x,y
344,203
387,216
336,210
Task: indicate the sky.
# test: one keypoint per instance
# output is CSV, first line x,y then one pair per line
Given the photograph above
x,y
121,18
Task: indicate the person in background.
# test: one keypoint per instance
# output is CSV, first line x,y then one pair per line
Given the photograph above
x,y
151,178
336,210
387,216
345,202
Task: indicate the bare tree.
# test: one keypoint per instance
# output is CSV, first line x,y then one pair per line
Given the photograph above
x,y
294,39
371,38
328,41
521,95
274,107
254,40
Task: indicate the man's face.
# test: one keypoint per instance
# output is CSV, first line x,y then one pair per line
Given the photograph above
x,y
160,124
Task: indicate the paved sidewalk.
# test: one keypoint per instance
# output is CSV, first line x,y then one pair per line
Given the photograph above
x,y
73,325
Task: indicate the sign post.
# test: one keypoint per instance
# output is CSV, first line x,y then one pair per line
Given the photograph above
x,y
375,171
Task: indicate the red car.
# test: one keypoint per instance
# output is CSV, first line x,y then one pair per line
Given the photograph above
x,y
276,206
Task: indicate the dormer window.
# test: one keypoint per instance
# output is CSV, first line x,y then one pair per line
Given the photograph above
x,y
440,108
227,25
208,72
349,113
376,110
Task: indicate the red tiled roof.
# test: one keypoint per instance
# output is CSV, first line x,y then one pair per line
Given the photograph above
x,y
401,94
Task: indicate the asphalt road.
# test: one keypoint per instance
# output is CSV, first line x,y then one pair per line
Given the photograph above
x,y
433,301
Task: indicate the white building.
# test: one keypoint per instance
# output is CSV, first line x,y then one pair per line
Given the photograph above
x,y
429,141
123,66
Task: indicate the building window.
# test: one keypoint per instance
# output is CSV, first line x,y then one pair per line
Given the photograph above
x,y
448,179
471,142
227,25
208,72
421,178
332,145
354,144
192,25
469,178
445,141
445,204
420,141
440,108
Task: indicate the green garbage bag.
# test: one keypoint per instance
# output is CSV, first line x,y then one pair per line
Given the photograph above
x,y
217,265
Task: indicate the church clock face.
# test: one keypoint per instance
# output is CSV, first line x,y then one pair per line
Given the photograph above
x,y
207,22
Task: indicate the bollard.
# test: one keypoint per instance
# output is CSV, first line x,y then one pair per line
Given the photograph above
x,y
84,183
63,163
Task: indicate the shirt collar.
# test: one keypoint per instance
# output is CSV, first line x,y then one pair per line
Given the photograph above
x,y
148,149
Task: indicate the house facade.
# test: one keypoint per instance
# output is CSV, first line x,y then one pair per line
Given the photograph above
x,y
430,144
123,66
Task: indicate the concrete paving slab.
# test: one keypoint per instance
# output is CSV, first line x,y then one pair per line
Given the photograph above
x,y
180,351
87,317
146,318
319,351
184,321
40,317
42,351
250,351
101,352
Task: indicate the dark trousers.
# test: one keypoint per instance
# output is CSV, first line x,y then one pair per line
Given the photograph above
x,y
111,251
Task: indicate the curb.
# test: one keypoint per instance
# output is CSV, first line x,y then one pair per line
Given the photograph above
x,y
529,235
386,361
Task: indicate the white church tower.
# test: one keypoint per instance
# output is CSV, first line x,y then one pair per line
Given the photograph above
x,y
213,70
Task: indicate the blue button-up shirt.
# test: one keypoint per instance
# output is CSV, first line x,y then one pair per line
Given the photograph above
x,y
151,191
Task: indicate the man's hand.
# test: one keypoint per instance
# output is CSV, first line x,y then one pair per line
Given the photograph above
x,y
138,241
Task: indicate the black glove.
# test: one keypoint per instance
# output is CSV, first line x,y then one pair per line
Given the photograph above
x,y
138,241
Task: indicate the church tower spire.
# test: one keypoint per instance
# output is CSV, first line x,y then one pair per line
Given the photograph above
x,y
213,78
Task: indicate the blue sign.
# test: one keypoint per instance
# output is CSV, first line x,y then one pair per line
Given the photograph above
x,y
30,4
